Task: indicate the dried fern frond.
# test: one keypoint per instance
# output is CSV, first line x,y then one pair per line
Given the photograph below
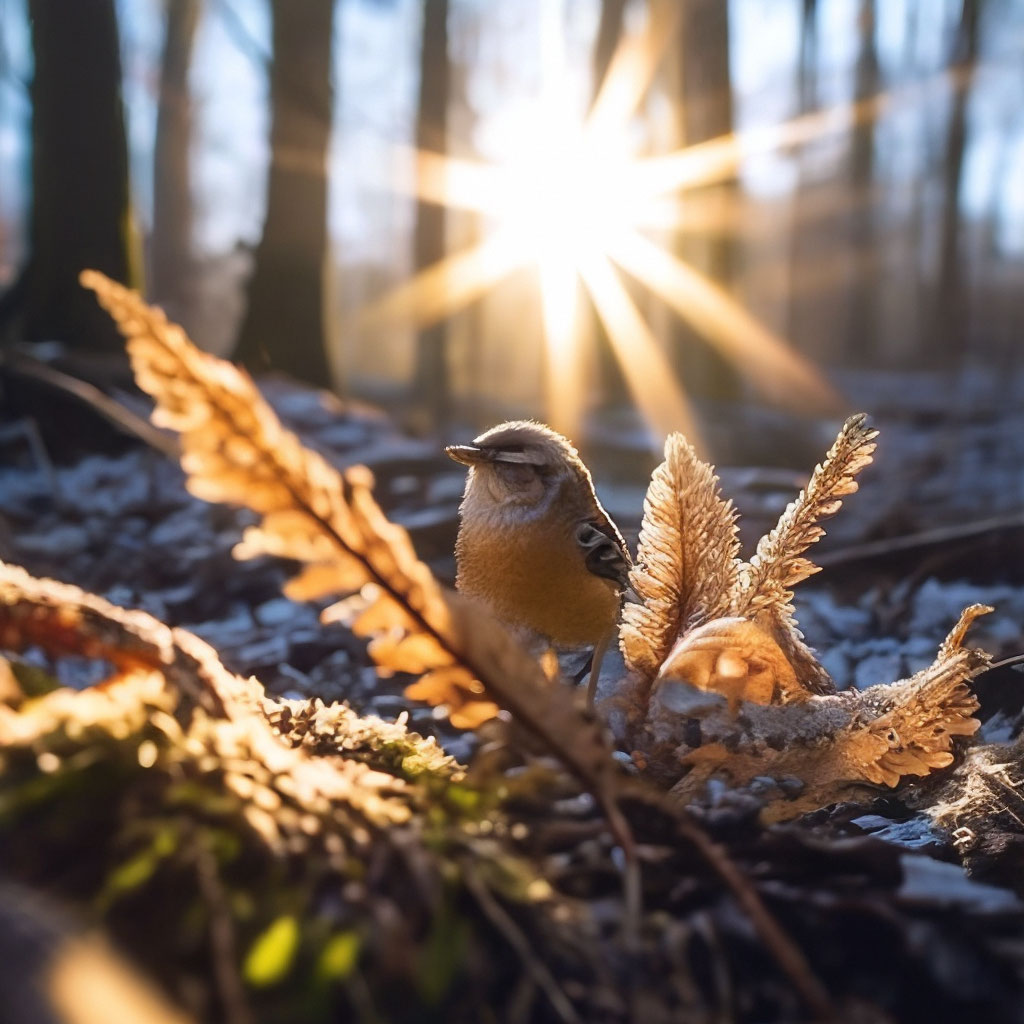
x,y
686,559
764,587
235,450
779,564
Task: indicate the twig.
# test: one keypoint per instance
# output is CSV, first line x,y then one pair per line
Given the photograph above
x,y
110,409
786,953
234,1004
925,538
497,915
704,925
1013,660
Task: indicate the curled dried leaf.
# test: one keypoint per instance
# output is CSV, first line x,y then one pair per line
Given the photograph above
x,y
924,714
838,747
735,658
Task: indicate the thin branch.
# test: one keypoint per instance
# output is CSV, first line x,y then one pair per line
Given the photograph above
x,y
234,1003
787,954
512,934
923,539
88,394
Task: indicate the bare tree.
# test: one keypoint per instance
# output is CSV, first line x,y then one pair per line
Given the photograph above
x,y
80,212
946,327
171,246
432,390
806,101
283,328
706,112
862,329
614,390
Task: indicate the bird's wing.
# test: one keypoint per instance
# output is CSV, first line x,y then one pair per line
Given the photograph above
x,y
604,551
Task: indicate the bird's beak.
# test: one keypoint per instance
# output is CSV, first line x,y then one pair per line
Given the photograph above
x,y
468,454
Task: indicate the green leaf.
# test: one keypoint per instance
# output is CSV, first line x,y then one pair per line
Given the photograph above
x,y
339,957
138,870
270,956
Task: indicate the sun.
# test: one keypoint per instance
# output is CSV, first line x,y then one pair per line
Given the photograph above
x,y
576,205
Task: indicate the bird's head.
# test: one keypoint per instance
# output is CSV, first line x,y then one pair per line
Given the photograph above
x,y
519,464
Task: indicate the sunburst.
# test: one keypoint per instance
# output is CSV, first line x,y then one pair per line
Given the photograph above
x,y
576,206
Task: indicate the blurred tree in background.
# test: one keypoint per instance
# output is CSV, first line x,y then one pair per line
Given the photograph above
x,y
283,328
80,214
431,385
846,177
171,266
705,111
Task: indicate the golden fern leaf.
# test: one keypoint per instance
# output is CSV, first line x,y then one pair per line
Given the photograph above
x,y
686,560
918,719
235,450
778,564
763,591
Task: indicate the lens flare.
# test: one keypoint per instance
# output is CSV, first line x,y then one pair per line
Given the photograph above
x,y
572,206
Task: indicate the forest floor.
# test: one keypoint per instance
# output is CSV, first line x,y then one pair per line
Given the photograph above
x,y
938,525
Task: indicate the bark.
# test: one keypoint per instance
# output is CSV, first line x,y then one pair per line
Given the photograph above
x,y
171,248
612,382
806,101
946,327
432,384
706,112
862,329
284,327
80,212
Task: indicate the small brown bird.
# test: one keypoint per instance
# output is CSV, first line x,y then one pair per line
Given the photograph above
x,y
534,543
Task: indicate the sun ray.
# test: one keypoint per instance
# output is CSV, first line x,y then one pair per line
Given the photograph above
x,y
564,390
772,365
649,376
448,286
575,203
629,76
445,180
717,160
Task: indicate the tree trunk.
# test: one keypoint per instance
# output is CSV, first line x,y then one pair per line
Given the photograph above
x,y
806,101
948,323
283,328
611,381
80,212
171,246
863,340
706,113
432,389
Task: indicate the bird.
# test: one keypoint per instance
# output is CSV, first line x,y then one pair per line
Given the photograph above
x,y
534,543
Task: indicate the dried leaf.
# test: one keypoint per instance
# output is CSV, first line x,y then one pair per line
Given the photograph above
x,y
455,689
735,658
921,716
837,747
763,592
686,559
